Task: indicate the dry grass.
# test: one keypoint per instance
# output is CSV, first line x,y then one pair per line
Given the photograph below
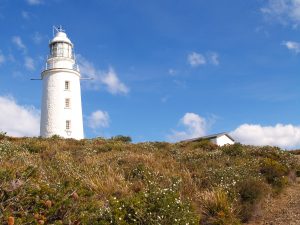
x,y
103,173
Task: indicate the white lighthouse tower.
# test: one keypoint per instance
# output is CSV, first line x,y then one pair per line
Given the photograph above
x,y
61,112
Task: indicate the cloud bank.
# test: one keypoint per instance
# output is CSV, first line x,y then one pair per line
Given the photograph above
x,y
18,120
284,136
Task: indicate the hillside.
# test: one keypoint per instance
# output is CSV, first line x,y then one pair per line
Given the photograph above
x,y
281,210
98,181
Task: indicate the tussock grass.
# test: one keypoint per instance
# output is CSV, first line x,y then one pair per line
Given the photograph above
x,y
98,181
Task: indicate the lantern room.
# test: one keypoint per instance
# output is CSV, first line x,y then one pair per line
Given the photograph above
x,y
61,46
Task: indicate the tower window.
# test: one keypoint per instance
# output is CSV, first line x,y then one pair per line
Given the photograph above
x,y
67,85
67,103
68,124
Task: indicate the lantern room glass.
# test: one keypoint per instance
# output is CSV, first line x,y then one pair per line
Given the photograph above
x,y
61,49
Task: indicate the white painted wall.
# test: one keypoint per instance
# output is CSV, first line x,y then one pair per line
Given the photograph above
x,y
53,111
223,140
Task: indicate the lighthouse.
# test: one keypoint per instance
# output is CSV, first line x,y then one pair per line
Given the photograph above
x,y
61,111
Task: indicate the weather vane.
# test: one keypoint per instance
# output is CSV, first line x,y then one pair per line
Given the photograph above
x,y
57,29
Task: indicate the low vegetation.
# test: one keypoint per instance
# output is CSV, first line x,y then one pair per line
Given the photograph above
x,y
98,181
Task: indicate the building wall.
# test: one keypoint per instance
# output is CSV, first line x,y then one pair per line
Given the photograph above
x,y
223,140
53,111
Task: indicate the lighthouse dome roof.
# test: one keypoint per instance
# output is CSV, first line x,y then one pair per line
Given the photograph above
x,y
61,37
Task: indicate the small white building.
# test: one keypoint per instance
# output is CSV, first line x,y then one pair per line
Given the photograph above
x,y
218,139
61,112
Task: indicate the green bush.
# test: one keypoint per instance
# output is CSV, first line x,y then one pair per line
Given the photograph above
x,y
271,152
233,150
250,192
56,137
126,139
35,146
204,144
274,172
106,147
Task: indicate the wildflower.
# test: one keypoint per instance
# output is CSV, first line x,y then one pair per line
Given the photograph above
x,y
48,203
74,195
11,220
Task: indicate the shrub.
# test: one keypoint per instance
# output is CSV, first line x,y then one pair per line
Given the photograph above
x,y
204,144
106,147
161,145
35,146
271,152
126,139
217,209
56,137
233,150
251,192
274,172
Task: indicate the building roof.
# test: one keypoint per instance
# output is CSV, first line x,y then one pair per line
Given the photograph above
x,y
61,37
209,137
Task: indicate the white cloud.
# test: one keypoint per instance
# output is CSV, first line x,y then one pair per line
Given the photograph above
x,y
213,58
18,120
29,63
18,42
98,119
284,136
292,46
284,11
108,78
113,83
34,2
194,126
196,59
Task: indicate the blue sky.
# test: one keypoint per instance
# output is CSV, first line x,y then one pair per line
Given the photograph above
x,y
163,69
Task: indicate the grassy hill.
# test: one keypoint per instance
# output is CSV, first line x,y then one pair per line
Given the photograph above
x,y
98,181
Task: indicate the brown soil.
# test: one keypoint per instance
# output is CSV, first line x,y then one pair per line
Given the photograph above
x,y
282,210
